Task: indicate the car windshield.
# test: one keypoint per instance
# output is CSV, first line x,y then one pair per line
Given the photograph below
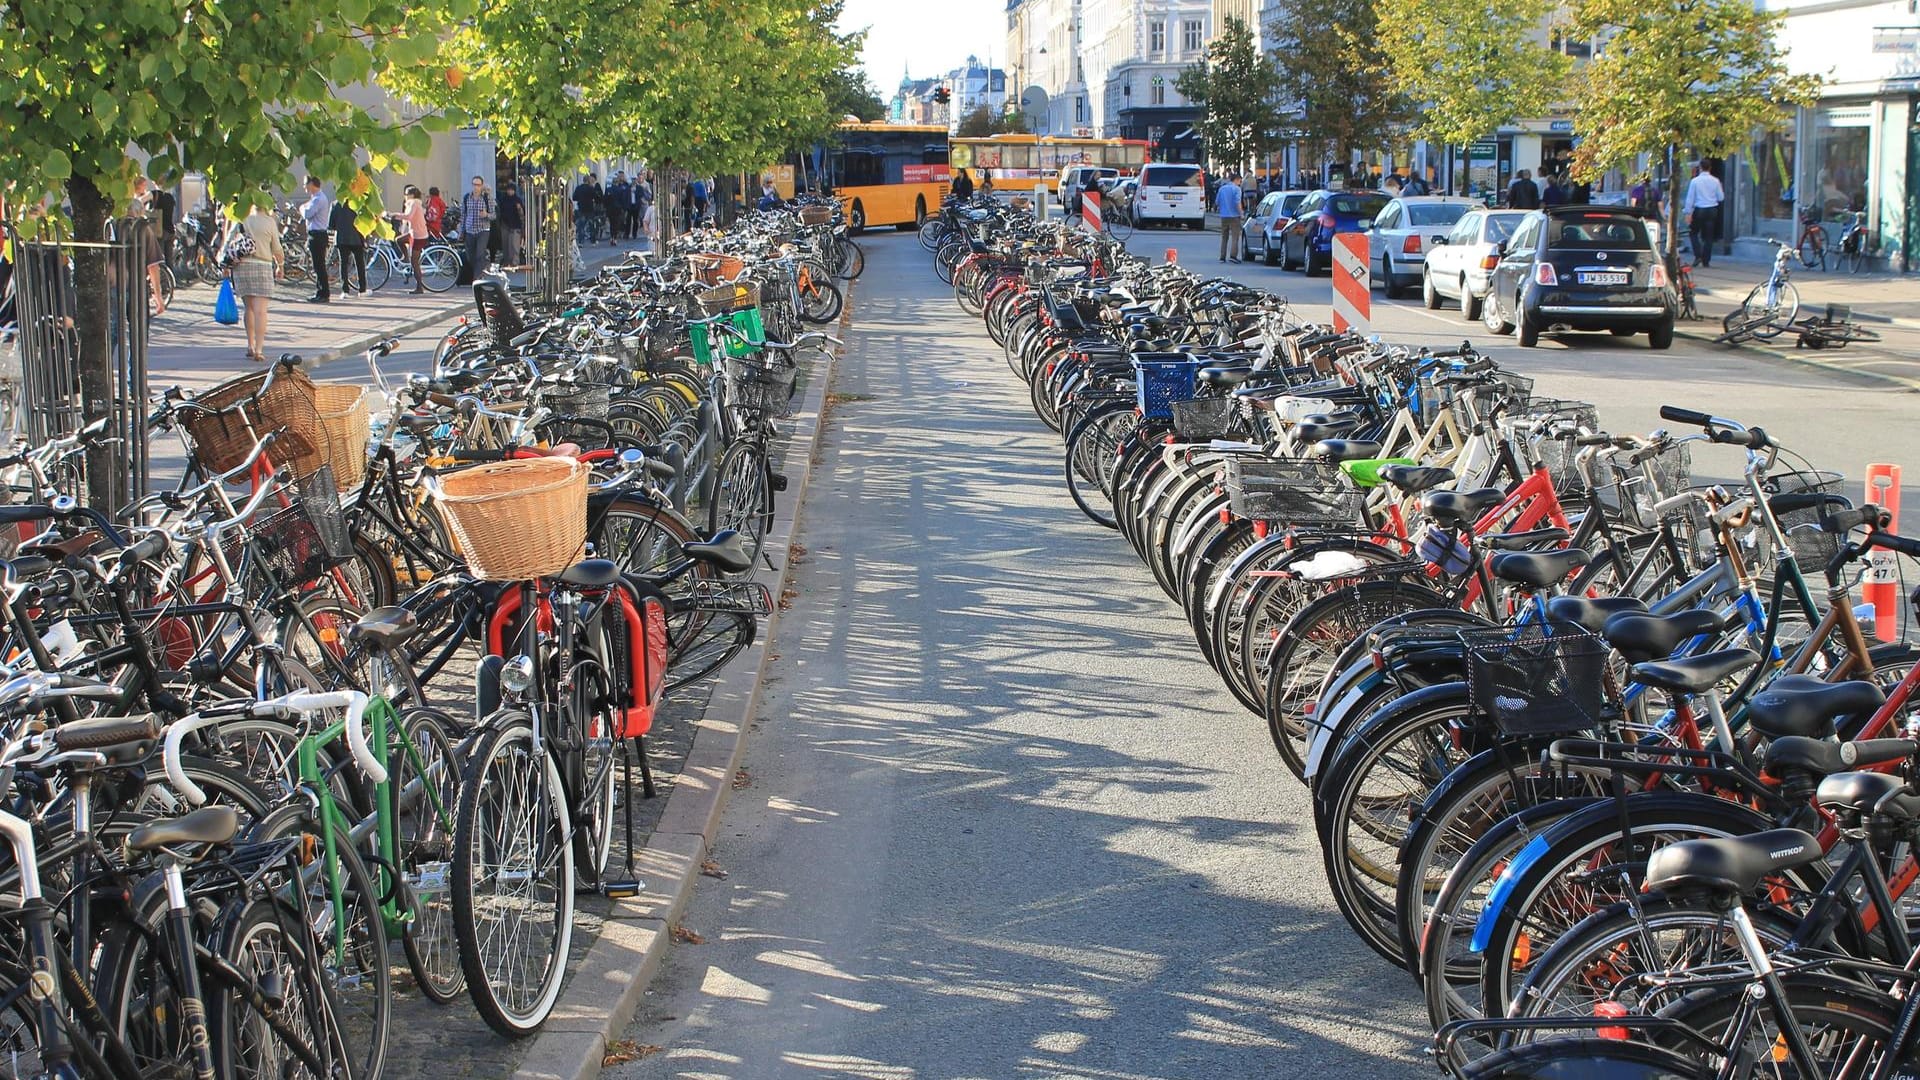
x,y
1424,214
1500,226
1171,176
1594,231
1364,206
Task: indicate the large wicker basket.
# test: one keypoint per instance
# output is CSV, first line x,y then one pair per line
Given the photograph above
x,y
816,215
518,520
223,438
346,414
712,268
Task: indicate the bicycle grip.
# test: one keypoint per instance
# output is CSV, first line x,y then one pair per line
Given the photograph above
x,y
1892,542
1679,415
482,455
1866,752
146,549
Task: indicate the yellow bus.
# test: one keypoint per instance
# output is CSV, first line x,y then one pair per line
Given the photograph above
x,y
1018,162
885,174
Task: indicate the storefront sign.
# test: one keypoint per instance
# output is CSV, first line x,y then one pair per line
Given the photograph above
x,y
1899,40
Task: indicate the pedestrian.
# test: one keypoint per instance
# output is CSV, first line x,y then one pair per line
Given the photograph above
x,y
254,266
1645,195
317,212
686,205
615,203
1415,185
1702,210
986,183
1227,201
963,185
769,195
510,224
1556,193
476,224
1522,194
644,197
142,206
436,213
352,247
1580,194
414,233
699,190
586,203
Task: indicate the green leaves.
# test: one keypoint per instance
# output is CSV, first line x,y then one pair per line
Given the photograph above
x,y
56,166
1239,88
1474,65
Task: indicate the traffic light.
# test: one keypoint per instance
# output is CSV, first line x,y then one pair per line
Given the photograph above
x,y
943,95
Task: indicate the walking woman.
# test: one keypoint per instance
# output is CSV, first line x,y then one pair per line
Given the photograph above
x,y
254,273
413,233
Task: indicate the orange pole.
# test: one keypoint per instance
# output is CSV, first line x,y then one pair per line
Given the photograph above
x,y
1882,589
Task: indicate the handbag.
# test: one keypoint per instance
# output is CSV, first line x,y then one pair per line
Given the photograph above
x,y
239,246
226,310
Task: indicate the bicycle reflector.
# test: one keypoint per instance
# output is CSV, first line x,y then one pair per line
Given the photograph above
x,y
1611,1010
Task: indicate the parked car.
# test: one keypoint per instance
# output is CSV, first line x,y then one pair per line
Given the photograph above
x,y
1075,179
1262,228
1308,240
1459,266
1581,268
1171,193
1119,190
1404,230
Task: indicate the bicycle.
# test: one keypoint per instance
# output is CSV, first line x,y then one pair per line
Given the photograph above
x,y
439,264
1813,243
1856,247
1769,308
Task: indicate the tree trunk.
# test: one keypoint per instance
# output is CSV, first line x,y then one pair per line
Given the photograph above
x,y
666,203
1673,217
92,312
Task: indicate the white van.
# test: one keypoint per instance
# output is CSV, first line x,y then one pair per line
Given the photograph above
x,y
1175,194
1075,180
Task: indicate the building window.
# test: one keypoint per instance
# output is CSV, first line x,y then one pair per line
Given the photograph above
x,y
1079,110
1079,72
1157,36
1191,35
1841,140
1157,95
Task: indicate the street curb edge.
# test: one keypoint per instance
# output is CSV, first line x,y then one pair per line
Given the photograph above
x,y
1809,363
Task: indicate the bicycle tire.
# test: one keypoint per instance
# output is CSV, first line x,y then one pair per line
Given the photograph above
x,y
932,233
1090,457
1861,1016
702,645
853,260
439,268
743,495
424,828
1573,1058
593,726
379,268
1813,249
509,784
1117,226
255,934
1766,320
821,302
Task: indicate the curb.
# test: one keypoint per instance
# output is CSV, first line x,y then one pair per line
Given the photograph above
x,y
1798,358
602,994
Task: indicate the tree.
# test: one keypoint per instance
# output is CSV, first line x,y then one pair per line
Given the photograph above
x,y
1334,72
849,93
1474,66
1238,87
1699,75
981,121
241,89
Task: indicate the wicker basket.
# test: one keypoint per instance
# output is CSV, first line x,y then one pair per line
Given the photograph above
x,y
223,438
816,215
712,269
346,414
725,299
518,520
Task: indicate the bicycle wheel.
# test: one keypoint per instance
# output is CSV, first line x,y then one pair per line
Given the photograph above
x,y
1091,447
1586,1059
853,260
743,495
1766,317
593,725
439,268
262,941
513,877
1813,249
1117,224
379,268
426,778
351,941
820,300
933,232
1846,1025
704,640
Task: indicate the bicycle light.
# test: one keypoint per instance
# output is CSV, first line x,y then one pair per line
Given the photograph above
x,y
516,676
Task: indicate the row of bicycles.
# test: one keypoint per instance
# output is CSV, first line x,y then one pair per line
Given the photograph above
x,y
1606,757
359,703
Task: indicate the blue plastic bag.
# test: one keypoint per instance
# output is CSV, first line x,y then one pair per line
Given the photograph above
x,y
226,310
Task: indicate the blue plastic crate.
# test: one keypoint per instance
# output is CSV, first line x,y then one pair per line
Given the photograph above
x,y
1160,383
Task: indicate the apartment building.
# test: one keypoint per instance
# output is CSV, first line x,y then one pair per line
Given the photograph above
x,y
1107,68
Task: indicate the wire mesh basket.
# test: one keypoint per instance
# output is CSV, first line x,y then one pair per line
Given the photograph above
x,y
591,402
1497,388
760,388
303,540
1294,492
1812,547
1630,490
1206,418
725,299
1533,682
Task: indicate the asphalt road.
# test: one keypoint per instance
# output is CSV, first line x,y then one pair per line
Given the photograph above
x,y
1000,821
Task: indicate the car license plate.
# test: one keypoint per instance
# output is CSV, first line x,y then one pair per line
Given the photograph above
x,y
1603,277
1170,196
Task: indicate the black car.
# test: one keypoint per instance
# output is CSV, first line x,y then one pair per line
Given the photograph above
x,y
1581,268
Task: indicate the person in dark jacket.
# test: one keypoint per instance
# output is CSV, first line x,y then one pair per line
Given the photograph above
x,y
963,184
353,249
1522,194
511,224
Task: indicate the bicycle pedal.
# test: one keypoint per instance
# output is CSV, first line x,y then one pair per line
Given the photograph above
x,y
622,890
777,481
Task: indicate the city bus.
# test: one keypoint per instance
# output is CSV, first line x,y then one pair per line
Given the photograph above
x,y
1018,162
885,174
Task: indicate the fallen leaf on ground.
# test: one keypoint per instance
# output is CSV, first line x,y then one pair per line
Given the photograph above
x,y
620,1051
796,552
712,869
686,935
742,779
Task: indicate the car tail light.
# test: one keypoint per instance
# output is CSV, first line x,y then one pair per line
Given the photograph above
x,y
1544,275
1659,276
1489,262
1411,246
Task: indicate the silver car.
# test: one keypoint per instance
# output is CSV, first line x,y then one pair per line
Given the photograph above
x,y
1261,229
1402,232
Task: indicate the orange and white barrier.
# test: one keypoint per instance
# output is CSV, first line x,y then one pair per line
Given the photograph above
x,y
1352,290
1090,212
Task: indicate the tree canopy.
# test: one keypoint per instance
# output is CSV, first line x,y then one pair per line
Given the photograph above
x,y
1238,87
1474,66
1335,76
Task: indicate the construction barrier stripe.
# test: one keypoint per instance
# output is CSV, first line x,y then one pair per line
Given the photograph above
x,y
1090,211
1352,290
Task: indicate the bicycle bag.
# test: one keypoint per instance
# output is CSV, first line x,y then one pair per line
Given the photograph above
x,y
640,645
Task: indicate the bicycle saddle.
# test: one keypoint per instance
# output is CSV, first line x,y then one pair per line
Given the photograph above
x,y
1527,541
384,628
1337,450
1804,705
208,825
1736,865
726,552
1824,757
1641,636
1416,478
123,740
1694,674
1863,793
1225,376
591,574
1457,509
1588,612
1321,428
1538,569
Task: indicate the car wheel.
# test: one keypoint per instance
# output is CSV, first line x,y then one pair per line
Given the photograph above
x,y
1427,293
1529,331
1660,337
1267,255
1387,279
1490,316
1470,304
1312,263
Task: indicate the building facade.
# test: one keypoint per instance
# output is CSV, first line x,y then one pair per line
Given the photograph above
x,y
973,85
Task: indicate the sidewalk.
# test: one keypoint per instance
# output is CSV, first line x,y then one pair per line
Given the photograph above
x,y
187,348
1887,304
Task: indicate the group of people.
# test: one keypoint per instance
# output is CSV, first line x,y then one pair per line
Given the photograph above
x,y
624,206
1553,189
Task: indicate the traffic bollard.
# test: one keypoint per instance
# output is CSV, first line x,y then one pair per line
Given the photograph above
x,y
1173,257
1882,588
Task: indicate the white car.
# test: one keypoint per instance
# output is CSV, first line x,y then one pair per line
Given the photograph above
x,y
1262,228
1175,194
1461,268
1403,231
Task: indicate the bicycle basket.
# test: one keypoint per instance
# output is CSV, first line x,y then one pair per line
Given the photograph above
x,y
590,401
1812,547
1536,683
1294,492
1205,418
760,389
725,299
1160,383
518,520
1484,397
703,338
346,425
224,437
816,215
1632,491
305,539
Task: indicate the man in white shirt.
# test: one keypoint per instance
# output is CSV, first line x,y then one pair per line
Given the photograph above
x,y
1702,206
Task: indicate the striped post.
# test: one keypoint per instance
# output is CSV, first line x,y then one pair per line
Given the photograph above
x,y
1090,211
1352,291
